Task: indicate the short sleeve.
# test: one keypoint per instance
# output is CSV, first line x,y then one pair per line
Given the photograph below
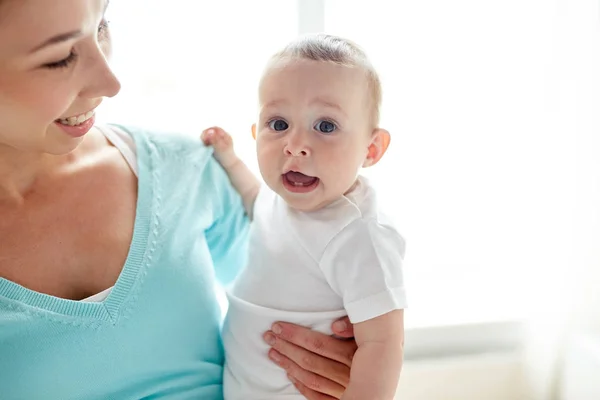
x,y
227,237
363,265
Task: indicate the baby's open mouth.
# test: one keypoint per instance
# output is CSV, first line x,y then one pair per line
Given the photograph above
x,y
299,179
297,182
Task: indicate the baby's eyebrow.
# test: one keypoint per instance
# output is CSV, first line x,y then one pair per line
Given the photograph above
x,y
328,103
274,103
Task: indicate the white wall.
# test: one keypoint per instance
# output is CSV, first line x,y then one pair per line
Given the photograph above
x,y
570,306
477,377
578,379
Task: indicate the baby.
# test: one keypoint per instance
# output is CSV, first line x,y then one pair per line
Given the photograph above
x,y
319,247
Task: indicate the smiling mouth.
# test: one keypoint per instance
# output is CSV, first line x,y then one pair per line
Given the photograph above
x,y
77,119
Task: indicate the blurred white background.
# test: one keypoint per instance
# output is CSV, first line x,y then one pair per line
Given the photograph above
x,y
493,174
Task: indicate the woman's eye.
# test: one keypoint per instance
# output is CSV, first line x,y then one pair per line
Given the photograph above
x,y
278,125
65,62
325,126
62,63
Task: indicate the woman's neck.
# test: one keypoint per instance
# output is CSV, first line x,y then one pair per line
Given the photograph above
x,y
19,172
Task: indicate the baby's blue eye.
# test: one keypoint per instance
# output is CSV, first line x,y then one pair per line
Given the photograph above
x,y
278,125
325,126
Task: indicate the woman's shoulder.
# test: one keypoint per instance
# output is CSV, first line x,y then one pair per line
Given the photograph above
x,y
178,145
180,159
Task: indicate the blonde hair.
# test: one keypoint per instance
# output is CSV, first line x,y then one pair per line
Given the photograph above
x,y
334,49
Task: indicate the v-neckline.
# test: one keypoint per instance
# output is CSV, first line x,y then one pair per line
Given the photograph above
x,y
109,308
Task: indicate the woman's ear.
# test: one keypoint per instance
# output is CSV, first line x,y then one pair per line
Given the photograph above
x,y
380,140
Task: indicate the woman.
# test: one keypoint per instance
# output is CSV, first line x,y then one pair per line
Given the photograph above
x,y
110,237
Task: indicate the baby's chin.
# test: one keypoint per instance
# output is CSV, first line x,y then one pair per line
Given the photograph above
x,y
308,202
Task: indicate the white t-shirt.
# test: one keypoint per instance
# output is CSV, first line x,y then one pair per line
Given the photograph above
x,y
309,269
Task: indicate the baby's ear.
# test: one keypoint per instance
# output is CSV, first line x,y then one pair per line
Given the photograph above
x,y
254,131
380,140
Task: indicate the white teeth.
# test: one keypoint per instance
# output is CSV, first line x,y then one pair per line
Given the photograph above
x,y
76,120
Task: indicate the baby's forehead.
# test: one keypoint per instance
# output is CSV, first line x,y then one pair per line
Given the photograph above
x,y
315,85
313,78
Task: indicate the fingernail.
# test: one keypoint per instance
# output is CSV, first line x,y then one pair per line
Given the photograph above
x,y
277,329
340,325
291,378
210,131
275,356
270,338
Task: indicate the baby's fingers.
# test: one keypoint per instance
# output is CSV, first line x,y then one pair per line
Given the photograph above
x,y
208,136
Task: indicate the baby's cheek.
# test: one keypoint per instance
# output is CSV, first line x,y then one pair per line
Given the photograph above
x,y
344,156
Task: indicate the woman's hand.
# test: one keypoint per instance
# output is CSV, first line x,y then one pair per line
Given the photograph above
x,y
317,364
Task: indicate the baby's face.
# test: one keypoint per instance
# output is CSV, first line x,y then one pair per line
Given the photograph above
x,y
313,133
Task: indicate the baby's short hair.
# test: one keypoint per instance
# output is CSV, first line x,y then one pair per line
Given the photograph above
x,y
337,50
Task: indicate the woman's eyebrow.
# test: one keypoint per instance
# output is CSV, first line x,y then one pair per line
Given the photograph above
x,y
63,37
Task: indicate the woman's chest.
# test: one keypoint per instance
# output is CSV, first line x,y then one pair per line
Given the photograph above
x,y
70,240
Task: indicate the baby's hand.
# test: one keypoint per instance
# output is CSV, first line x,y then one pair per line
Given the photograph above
x,y
222,143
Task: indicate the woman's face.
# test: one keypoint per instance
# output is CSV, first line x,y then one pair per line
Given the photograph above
x,y
53,72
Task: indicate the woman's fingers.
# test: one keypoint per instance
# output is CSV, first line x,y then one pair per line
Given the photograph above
x,y
343,328
316,342
303,376
292,357
311,394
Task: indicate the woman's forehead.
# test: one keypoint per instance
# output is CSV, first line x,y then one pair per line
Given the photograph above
x,y
28,24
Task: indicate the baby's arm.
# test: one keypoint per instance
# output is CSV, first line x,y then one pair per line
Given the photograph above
x,y
377,363
242,179
363,264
